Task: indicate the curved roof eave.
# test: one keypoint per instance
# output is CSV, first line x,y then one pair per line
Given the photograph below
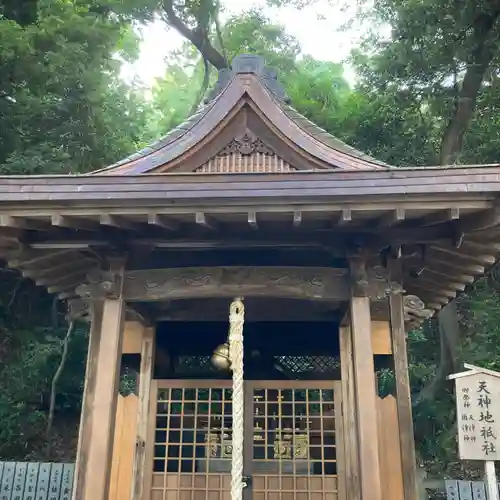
x,y
270,98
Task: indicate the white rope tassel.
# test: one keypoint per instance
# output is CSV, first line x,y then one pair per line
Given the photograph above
x,y
236,322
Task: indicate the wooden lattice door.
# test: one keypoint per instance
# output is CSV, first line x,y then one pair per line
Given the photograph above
x,y
293,440
297,447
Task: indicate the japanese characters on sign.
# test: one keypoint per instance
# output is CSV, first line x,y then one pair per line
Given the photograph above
x,y
478,416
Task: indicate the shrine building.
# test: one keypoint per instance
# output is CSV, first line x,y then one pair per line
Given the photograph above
x,y
316,258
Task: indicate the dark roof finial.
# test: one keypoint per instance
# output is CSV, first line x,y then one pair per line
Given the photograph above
x,y
250,64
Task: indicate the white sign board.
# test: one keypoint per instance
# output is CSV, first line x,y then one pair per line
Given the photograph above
x,y
478,414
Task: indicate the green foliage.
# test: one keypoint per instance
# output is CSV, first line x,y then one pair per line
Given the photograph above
x,y
62,104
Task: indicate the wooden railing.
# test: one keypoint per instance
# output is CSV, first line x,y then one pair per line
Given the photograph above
x,y
40,481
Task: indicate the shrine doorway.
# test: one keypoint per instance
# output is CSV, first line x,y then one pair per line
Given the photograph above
x,y
293,440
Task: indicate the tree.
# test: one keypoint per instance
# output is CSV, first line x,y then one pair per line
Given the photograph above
x,y
440,65
63,106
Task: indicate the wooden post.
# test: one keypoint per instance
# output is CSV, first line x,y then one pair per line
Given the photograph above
x,y
349,413
145,377
403,393
95,445
88,400
365,383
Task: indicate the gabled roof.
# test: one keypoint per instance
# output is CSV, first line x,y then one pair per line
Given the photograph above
x,y
247,106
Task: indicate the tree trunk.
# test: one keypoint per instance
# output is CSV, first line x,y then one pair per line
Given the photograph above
x,y
199,38
484,45
482,53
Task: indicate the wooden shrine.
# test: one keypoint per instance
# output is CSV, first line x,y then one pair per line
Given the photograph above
x,y
335,254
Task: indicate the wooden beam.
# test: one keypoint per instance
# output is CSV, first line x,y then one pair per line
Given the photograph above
x,y
162,221
439,217
485,219
32,258
436,256
351,456
483,258
252,220
98,420
297,218
345,217
55,269
392,218
481,246
311,283
119,222
7,221
366,389
457,282
432,285
78,270
205,221
76,223
145,378
70,282
403,393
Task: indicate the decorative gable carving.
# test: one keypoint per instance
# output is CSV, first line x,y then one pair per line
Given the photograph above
x,y
246,153
245,145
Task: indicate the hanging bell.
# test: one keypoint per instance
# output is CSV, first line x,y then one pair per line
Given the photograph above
x,y
220,357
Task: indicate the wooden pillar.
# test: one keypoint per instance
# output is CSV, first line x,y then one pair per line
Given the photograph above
x,y
403,393
351,455
145,377
365,383
95,446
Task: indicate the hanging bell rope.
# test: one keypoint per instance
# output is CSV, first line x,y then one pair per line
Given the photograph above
x,y
236,322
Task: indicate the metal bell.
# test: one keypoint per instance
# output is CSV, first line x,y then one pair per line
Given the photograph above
x,y
220,357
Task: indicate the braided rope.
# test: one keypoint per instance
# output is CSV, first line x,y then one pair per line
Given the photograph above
x,y
236,322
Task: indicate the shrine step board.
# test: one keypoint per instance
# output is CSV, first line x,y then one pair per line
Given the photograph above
x,y
40,481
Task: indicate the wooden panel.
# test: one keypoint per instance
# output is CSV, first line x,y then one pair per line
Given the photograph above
x,y
20,481
67,482
132,337
7,480
35,481
124,448
391,473
465,490
145,378
42,486
31,481
381,337
55,481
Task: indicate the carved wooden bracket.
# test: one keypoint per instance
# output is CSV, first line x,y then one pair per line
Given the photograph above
x,y
373,282
414,310
100,285
79,310
379,285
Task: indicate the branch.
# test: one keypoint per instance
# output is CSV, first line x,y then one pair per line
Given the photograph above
x,y
56,378
198,38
